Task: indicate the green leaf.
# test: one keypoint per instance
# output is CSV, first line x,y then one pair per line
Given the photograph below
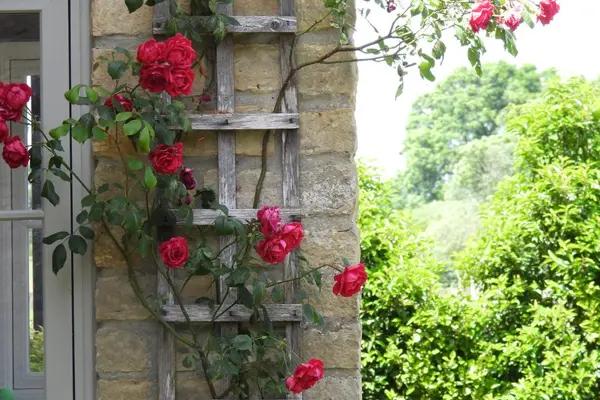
x,y
77,244
312,315
55,237
60,131
59,257
99,134
72,95
80,133
133,5
278,294
60,174
144,140
88,200
134,164
82,217
6,394
49,193
87,232
242,343
150,180
425,70
117,68
91,94
132,127
124,116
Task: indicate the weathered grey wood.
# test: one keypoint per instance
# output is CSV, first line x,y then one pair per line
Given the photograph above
x,y
238,313
290,147
260,121
166,341
203,217
161,16
247,24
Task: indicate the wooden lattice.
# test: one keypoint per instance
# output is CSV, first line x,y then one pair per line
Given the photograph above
x,y
226,122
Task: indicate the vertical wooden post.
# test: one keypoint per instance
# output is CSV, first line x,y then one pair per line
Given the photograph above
x,y
166,341
290,147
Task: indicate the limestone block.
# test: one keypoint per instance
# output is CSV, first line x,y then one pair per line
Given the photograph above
x,y
256,7
115,299
328,131
336,388
123,347
125,390
111,17
337,349
257,68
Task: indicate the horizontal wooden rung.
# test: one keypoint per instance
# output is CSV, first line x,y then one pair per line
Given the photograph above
x,y
246,24
232,122
238,313
205,217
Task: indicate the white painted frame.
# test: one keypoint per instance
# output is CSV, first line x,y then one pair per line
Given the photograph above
x,y
68,297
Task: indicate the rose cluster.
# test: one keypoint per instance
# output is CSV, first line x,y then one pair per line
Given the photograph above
x,y
279,239
167,66
484,10
13,99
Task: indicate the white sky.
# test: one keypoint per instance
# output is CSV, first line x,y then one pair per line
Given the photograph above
x,y
569,44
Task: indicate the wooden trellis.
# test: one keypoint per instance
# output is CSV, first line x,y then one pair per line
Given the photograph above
x,y
228,123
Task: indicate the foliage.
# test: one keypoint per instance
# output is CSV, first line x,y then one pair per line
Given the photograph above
x,y
36,350
6,394
530,327
463,108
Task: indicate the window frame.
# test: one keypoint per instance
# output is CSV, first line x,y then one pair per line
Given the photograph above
x,y
68,297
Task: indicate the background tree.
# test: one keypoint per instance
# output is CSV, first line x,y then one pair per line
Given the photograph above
x,y
463,108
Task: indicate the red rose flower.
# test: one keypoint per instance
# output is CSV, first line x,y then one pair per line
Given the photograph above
x,y
186,176
124,102
167,159
548,9
3,130
270,220
151,51
481,15
350,282
272,250
13,98
175,252
305,376
292,233
14,153
180,82
179,51
513,19
155,77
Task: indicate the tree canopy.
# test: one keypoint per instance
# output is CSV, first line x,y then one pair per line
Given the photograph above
x,y
463,108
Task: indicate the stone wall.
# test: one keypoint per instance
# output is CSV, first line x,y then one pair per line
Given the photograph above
x,y
126,337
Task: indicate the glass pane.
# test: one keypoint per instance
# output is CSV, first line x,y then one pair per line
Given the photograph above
x,y
36,315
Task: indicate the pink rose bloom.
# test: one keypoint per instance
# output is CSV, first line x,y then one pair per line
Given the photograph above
x,y
351,281
175,252
481,14
14,153
305,376
512,19
270,220
3,130
273,250
292,233
548,9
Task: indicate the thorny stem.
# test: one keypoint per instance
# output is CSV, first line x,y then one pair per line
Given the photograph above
x,y
300,277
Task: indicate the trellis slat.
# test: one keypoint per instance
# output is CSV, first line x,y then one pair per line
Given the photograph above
x,y
205,217
232,122
246,24
238,313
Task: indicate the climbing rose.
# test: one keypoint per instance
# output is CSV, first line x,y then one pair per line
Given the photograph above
x,y
548,9
292,233
270,220
3,130
305,376
272,250
180,82
126,104
14,153
391,6
151,51
186,176
155,77
512,19
13,99
350,282
174,253
167,159
481,15
179,52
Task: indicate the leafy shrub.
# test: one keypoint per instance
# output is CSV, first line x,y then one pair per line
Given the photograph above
x,y
531,330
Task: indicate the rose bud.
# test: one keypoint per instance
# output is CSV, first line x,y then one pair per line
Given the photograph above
x,y
186,176
351,281
174,253
305,376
